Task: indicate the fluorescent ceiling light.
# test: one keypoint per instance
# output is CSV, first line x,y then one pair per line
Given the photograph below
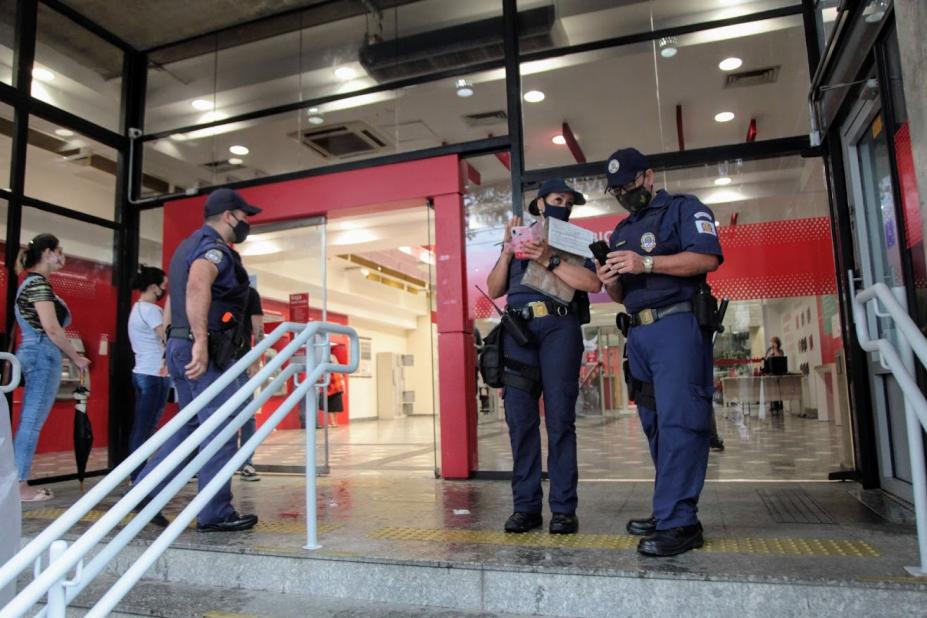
x,y
345,73
559,140
534,96
729,64
723,180
312,110
64,132
724,117
202,104
464,88
236,161
42,74
178,137
315,119
239,150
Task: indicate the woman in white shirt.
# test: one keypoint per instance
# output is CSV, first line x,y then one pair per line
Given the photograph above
x,y
146,333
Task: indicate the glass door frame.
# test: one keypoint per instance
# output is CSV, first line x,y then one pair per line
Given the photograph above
x,y
863,114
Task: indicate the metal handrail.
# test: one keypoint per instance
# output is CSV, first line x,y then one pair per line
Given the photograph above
x,y
52,579
915,403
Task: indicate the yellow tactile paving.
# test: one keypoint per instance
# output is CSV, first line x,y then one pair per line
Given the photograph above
x,y
756,546
279,527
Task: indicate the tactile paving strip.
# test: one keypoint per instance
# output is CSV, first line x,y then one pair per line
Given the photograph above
x,y
757,546
280,527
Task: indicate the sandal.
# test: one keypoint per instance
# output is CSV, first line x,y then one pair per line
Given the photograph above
x,y
40,496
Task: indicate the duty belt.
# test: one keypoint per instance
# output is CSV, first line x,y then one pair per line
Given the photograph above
x,y
179,333
539,309
649,316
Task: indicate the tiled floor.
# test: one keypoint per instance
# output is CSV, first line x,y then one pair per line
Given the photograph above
x,y
782,448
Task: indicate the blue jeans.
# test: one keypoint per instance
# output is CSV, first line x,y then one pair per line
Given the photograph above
x,y
150,398
41,361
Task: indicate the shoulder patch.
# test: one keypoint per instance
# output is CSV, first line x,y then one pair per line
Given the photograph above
x,y
215,256
705,227
703,215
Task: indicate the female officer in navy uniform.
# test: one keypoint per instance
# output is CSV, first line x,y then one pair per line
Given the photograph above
x,y
551,362
660,255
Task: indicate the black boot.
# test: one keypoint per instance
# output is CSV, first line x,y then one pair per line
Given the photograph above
x,y
716,443
158,520
523,522
564,523
672,542
642,527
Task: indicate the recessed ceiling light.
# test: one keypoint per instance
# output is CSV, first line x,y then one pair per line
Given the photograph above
x,y
723,180
724,117
239,150
729,64
345,73
312,110
668,47
464,88
315,119
178,137
202,104
559,140
534,96
43,75
236,161
64,132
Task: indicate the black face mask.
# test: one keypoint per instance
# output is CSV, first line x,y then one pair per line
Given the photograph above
x,y
556,212
240,230
635,200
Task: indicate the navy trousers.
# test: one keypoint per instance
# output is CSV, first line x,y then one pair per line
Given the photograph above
x,y
179,353
557,351
675,355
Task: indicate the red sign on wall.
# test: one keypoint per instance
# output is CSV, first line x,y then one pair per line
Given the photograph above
x,y
299,307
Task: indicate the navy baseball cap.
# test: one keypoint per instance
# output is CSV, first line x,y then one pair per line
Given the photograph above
x,y
558,185
624,166
221,200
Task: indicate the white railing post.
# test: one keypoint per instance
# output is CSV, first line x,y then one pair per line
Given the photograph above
x,y
56,603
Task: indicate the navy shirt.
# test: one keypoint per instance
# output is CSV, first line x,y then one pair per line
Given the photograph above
x,y
229,290
672,223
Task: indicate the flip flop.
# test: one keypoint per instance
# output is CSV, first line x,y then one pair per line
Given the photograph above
x,y
41,496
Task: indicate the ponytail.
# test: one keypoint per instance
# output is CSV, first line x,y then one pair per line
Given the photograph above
x,y
32,254
146,276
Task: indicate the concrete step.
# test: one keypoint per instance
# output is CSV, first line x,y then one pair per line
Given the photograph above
x,y
270,582
177,600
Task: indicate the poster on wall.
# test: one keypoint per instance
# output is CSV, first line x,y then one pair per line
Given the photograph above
x,y
363,366
299,307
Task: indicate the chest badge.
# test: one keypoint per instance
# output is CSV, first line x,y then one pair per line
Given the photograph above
x,y
648,242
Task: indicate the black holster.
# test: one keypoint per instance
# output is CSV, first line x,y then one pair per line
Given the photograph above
x,y
639,392
227,346
523,377
580,306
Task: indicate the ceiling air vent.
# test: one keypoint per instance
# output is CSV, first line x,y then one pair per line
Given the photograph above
x,y
456,46
223,166
485,119
343,140
755,77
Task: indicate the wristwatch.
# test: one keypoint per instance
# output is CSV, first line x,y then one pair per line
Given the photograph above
x,y
553,263
648,264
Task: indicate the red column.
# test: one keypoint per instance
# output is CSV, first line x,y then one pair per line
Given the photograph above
x,y
456,353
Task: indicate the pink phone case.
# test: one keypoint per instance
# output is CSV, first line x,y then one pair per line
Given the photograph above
x,y
520,235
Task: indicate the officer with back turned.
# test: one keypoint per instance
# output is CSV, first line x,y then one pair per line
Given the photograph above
x,y
208,292
659,258
547,361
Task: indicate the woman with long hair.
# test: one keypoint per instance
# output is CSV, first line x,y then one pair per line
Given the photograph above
x,y
146,333
42,317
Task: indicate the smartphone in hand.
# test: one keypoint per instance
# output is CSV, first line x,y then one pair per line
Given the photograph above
x,y
521,234
600,250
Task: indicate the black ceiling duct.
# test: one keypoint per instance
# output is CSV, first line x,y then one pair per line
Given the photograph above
x,y
456,46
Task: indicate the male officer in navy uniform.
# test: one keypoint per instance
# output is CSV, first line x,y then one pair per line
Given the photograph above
x,y
660,256
208,293
549,364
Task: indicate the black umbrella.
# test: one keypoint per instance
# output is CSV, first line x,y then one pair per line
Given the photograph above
x,y
83,431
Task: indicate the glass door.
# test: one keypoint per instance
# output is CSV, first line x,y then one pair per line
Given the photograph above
x,y
879,258
288,267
